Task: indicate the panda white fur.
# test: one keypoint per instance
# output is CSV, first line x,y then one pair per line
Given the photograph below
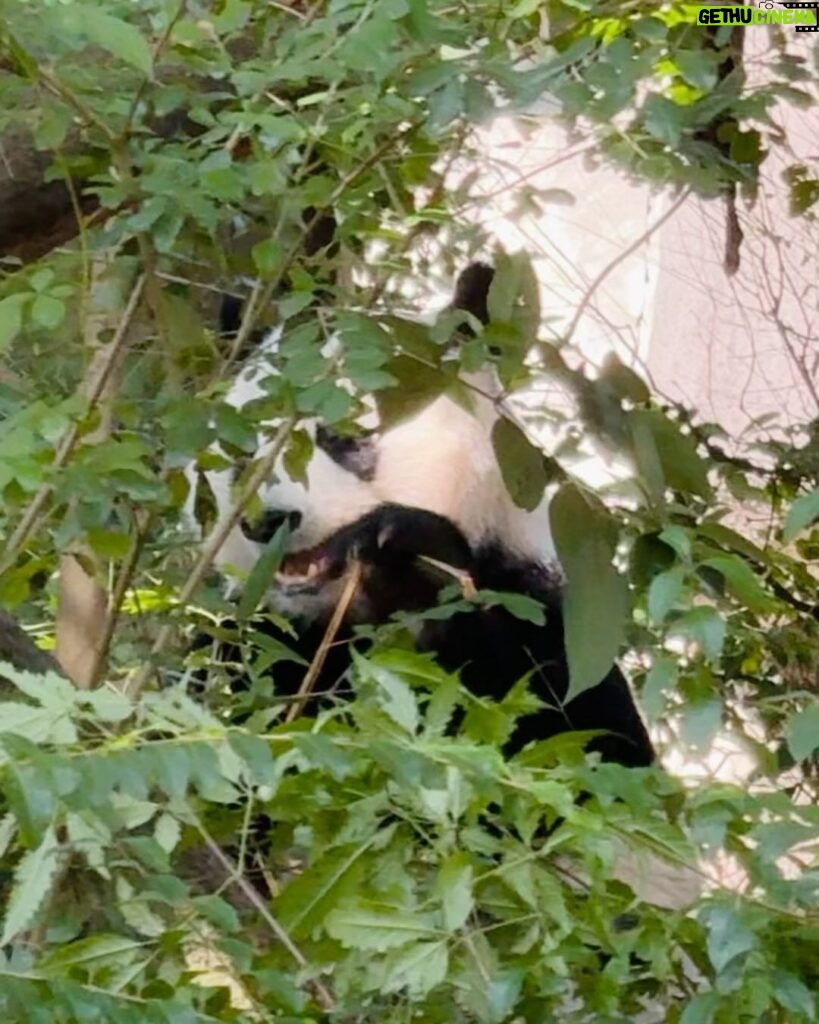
x,y
300,503
412,464
428,487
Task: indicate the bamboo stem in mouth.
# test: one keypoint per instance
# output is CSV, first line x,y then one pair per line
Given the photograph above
x,y
353,578
351,584
461,576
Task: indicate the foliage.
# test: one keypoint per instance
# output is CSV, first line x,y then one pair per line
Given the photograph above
x,y
425,881
370,866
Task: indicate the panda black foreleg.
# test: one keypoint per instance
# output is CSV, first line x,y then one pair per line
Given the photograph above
x,y
491,647
494,649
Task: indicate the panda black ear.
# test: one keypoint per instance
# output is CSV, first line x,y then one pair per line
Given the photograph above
x,y
230,316
472,290
358,455
231,311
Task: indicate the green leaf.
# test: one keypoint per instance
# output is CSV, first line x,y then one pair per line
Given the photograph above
x,y
802,513
728,936
49,689
664,592
39,725
514,295
522,465
32,884
11,317
733,541
374,926
118,37
41,279
311,896
660,680
218,911
682,466
521,606
418,386
793,994
706,627
263,573
678,538
233,428
267,256
698,67
647,459
109,704
743,583
167,832
417,968
700,724
109,543
47,312
746,147
650,28
393,694
622,381
90,951
297,455
445,104
701,1009
523,8
454,885
596,596
662,119
802,732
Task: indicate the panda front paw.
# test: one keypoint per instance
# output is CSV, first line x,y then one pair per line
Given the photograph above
x,y
397,535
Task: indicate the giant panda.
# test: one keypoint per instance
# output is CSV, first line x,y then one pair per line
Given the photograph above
x,y
413,504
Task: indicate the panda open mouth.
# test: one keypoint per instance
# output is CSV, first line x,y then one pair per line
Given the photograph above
x,y
308,567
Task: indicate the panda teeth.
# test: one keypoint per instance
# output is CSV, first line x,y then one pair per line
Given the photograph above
x,y
289,578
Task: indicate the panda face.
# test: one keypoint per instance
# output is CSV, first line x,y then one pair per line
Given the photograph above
x,y
307,583
327,499
440,459
336,490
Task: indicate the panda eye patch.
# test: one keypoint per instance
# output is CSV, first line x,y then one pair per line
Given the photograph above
x,y
263,528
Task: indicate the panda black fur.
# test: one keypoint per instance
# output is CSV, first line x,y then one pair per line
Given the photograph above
x,y
429,487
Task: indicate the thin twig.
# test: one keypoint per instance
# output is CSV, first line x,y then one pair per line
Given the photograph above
x,y
62,92
85,257
311,675
260,905
159,46
93,389
134,684
461,576
409,239
123,581
604,273
262,293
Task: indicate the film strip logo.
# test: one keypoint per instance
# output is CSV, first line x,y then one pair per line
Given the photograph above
x,y
794,5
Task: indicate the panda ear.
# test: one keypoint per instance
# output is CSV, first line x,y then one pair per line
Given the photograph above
x,y
472,291
231,311
357,455
230,316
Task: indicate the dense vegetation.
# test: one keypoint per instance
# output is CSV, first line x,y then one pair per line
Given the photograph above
x,y
404,875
